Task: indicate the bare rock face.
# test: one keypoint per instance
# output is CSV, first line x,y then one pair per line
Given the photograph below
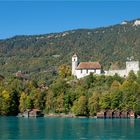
x,y
136,23
124,23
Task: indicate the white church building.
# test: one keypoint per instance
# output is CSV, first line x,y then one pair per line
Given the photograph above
x,y
83,69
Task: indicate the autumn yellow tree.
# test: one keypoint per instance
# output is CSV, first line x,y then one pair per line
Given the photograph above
x,y
80,107
22,102
64,71
5,104
93,103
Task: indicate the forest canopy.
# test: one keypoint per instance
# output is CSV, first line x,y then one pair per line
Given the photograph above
x,y
83,97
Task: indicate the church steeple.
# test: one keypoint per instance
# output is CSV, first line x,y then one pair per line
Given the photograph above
x,y
74,63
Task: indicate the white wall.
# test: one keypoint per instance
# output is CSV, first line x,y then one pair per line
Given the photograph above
x,y
84,72
132,65
121,73
98,71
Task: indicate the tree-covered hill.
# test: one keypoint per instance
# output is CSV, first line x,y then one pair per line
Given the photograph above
x,y
40,55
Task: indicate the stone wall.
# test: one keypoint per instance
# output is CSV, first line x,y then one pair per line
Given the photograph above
x,y
130,65
121,73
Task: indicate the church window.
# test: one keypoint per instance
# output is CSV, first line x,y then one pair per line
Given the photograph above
x,y
86,70
81,70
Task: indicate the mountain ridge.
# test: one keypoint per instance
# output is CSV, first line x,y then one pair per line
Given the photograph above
x,y
42,54
33,35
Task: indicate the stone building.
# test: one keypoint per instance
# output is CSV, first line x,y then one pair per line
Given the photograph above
x,y
83,69
130,65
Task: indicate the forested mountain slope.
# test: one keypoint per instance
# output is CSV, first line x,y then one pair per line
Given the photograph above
x,y
40,55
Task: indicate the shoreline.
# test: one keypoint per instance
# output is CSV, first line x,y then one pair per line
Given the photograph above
x,y
70,115
67,116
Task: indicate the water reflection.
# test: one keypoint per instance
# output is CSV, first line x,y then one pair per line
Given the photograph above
x,y
68,128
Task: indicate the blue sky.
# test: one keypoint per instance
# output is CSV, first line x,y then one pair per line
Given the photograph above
x,y
34,17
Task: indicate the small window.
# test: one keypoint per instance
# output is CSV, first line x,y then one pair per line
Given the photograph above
x,y
74,59
81,70
86,70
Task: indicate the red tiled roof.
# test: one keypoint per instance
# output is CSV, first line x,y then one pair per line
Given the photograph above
x,y
89,65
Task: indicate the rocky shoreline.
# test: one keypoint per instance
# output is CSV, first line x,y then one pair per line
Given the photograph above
x,y
67,116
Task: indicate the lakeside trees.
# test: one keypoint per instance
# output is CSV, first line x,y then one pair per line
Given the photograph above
x,y
86,96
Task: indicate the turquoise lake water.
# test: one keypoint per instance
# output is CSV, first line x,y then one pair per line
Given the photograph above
x,y
13,128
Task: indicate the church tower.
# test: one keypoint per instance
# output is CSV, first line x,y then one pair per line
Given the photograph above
x,y
74,64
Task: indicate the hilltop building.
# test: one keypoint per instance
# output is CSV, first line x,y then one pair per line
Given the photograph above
x,y
130,65
83,69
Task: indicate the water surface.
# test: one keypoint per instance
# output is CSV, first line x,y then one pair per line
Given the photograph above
x,y
13,128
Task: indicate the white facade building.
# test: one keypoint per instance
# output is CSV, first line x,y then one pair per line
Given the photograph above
x,y
84,68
